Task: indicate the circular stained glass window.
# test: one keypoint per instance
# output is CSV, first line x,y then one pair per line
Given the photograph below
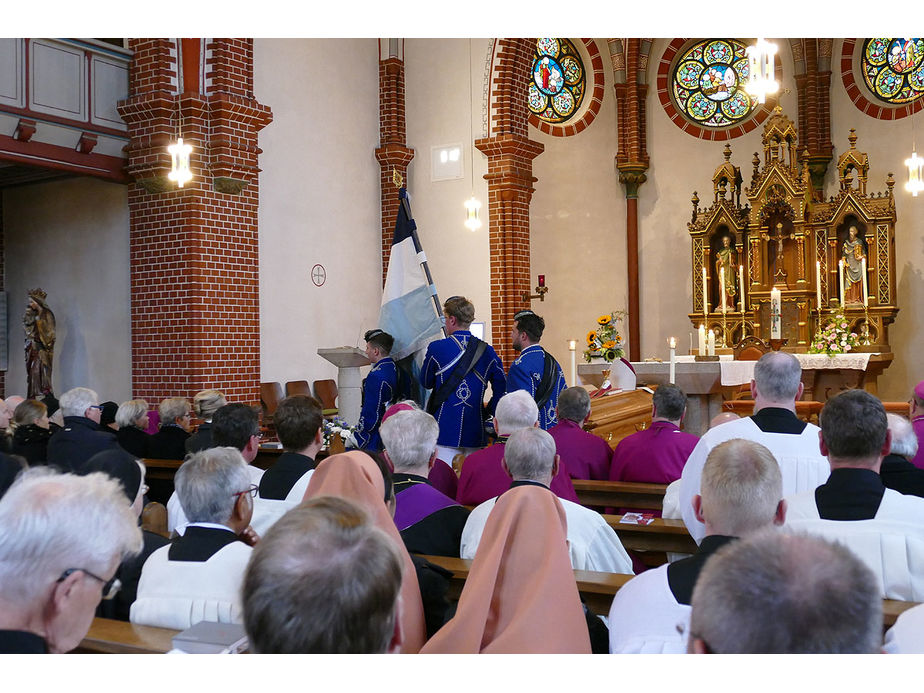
x,y
893,68
708,83
557,83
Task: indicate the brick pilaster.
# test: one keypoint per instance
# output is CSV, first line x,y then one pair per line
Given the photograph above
x,y
194,251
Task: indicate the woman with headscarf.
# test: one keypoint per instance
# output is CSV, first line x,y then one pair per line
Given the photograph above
x,y
520,595
357,477
129,472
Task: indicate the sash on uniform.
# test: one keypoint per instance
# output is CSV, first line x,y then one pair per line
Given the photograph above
x,y
473,352
418,502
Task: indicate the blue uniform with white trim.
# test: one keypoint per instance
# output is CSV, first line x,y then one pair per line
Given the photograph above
x,y
526,374
460,416
378,392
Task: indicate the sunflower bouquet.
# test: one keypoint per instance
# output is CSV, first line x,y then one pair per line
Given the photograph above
x,y
834,338
605,341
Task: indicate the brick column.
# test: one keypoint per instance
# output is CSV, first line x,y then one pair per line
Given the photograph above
x,y
812,63
194,265
393,153
630,64
510,155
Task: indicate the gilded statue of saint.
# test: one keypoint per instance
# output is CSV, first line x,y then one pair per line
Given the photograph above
x,y
39,323
853,252
725,257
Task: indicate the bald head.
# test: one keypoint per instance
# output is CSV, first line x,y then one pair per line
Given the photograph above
x,y
723,417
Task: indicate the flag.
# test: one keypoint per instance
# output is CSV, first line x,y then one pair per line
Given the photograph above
x,y
409,313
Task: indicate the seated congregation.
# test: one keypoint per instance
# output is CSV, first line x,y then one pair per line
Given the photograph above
x,y
803,531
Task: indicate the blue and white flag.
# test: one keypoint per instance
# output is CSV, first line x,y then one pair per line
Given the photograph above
x,y
409,313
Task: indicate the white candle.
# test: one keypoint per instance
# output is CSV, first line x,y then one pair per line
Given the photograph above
x,y
741,286
705,293
711,346
865,284
840,272
702,340
722,289
818,283
673,344
691,342
775,314
572,346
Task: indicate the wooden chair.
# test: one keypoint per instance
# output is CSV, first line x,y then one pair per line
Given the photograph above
x,y
297,387
270,397
154,519
750,348
325,391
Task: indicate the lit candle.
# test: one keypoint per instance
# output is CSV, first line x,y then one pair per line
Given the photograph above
x,y
702,340
840,272
711,345
818,283
705,293
722,289
865,284
673,345
572,345
741,285
541,280
775,314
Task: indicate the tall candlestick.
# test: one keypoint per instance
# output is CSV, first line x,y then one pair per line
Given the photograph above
x,y
710,348
818,283
572,346
865,284
673,345
775,314
691,342
840,272
722,289
741,285
705,293
702,340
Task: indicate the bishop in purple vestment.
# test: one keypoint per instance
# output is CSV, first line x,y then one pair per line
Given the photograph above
x,y
583,455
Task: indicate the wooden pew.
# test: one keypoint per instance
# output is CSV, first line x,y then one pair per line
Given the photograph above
x,y
661,535
108,636
598,589
619,494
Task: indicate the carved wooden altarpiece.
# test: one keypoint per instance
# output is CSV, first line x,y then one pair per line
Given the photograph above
x,y
777,237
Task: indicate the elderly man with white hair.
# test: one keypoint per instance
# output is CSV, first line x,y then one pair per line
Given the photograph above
x,y
530,460
776,386
63,539
81,437
198,576
429,521
483,476
897,471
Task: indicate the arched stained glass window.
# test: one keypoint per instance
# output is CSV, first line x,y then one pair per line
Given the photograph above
x,y
558,82
893,68
708,83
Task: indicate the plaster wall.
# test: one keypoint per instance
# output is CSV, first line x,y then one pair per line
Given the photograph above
x,y
71,238
319,201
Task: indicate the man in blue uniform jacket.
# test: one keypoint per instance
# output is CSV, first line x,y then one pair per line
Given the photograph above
x,y
535,370
458,370
380,389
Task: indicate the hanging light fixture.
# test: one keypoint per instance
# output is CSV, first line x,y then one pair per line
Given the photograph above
x,y
915,166
179,153
761,66
472,205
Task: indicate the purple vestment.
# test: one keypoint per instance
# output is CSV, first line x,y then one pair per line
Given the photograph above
x,y
918,424
416,503
583,455
655,455
483,477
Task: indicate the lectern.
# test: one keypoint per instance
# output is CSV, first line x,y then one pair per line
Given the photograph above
x,y
349,382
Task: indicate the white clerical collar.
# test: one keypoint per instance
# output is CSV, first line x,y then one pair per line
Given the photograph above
x,y
209,525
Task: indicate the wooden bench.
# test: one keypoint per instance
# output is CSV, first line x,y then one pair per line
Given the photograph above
x,y
108,636
660,536
619,494
598,589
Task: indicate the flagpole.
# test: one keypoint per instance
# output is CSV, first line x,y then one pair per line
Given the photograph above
x,y
402,194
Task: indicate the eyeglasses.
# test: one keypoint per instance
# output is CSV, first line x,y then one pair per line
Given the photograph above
x,y
95,406
252,491
110,587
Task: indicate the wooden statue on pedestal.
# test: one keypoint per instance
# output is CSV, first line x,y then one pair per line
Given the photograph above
x,y
788,245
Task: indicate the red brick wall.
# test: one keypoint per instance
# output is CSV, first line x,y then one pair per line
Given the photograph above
x,y
194,251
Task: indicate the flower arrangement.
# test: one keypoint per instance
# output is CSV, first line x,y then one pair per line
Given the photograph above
x,y
336,426
605,341
835,337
